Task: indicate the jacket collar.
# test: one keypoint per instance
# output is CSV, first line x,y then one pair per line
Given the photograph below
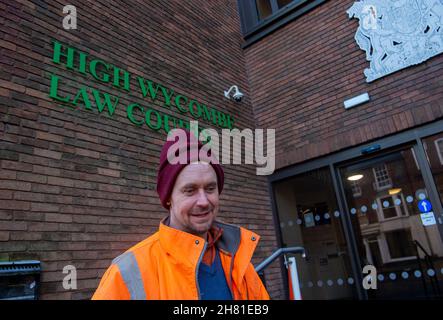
x,y
187,247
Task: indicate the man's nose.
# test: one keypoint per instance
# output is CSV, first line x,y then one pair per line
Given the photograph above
x,y
202,200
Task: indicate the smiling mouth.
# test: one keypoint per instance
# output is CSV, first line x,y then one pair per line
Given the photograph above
x,y
201,215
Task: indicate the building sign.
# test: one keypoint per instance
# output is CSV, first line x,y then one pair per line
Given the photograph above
x,y
396,34
428,219
424,206
119,79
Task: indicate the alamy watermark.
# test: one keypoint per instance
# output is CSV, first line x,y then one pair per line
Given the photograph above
x,y
216,148
70,20
70,280
370,281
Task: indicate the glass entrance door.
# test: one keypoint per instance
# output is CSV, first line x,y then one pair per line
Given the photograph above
x,y
310,217
394,225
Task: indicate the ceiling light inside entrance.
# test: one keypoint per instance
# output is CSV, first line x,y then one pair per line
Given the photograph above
x,y
355,177
394,191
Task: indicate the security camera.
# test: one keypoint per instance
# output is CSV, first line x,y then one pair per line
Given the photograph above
x,y
237,95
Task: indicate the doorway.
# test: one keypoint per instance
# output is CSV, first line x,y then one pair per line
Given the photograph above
x,y
382,209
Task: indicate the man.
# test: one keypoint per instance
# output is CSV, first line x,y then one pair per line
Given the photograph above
x,y
191,256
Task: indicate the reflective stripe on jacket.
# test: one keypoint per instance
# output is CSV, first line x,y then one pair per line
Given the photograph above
x,y
165,266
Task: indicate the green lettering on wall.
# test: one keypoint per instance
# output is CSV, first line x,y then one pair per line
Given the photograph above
x,y
118,77
179,105
130,113
149,122
206,113
75,60
195,114
69,55
93,70
149,88
53,92
166,126
167,95
107,101
83,95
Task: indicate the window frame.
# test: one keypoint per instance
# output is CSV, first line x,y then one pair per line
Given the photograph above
x,y
254,29
437,147
378,186
356,189
400,210
389,257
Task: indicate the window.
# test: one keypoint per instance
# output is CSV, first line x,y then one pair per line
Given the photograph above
x,y
264,9
260,17
388,208
392,206
356,190
374,251
400,244
382,180
282,3
439,148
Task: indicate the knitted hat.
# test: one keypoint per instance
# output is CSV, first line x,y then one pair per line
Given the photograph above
x,y
167,172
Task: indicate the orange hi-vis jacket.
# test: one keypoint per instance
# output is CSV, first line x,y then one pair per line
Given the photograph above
x,y
165,267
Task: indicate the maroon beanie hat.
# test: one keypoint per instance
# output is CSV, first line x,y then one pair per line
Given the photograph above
x,y
167,172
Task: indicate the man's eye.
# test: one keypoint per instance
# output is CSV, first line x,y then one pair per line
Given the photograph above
x,y
210,189
189,191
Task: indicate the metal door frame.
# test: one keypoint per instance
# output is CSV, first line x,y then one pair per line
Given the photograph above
x,y
412,138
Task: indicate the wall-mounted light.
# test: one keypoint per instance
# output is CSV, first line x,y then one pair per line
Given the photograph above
x,y
353,102
355,177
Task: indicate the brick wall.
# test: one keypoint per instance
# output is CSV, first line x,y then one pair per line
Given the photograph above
x,y
300,75
77,186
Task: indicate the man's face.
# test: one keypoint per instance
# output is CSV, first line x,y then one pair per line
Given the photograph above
x,y
195,199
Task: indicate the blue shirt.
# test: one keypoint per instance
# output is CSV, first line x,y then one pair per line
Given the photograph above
x,y
212,281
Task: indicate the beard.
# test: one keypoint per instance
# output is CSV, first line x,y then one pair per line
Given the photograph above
x,y
197,220
200,220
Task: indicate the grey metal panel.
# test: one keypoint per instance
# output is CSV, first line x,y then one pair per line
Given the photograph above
x,y
355,152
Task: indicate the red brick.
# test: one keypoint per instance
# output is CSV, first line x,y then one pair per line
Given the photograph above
x,y
42,226
87,219
53,217
4,93
13,246
6,194
49,137
87,153
35,93
15,165
13,225
28,236
47,153
109,172
4,235
109,188
25,176
46,170
44,207
45,188
12,86
60,181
